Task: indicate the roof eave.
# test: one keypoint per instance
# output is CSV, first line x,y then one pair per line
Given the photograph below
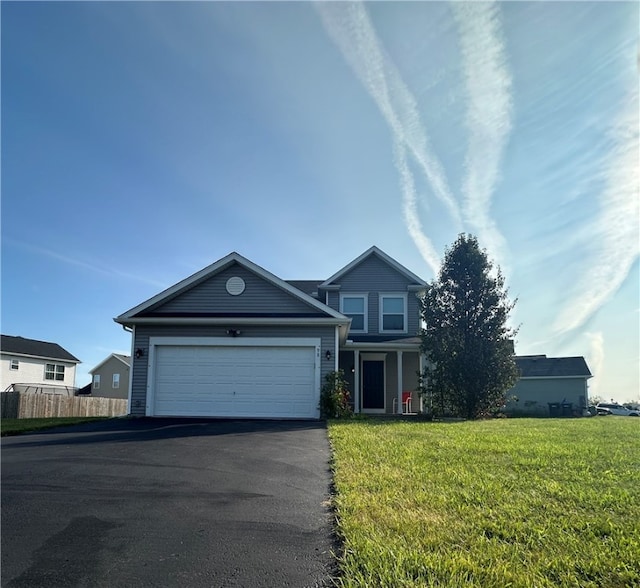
x,y
217,267
325,321
47,357
565,377
374,251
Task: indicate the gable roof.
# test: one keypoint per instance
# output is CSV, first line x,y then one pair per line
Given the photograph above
x,y
34,348
309,287
125,359
541,366
131,316
384,257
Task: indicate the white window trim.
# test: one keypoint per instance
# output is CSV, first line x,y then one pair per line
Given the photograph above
x,y
56,372
14,365
96,381
402,295
364,296
115,381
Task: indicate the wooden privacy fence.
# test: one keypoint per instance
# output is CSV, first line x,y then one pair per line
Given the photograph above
x,y
21,405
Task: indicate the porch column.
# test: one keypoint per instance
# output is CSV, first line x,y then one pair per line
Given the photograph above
x,y
356,381
399,354
421,360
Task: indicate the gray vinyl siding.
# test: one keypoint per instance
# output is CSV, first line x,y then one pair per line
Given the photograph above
x,y
532,396
374,277
259,296
106,372
143,334
373,273
410,368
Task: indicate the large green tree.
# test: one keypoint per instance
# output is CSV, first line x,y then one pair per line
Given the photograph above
x,y
466,336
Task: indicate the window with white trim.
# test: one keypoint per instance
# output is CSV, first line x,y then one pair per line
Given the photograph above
x,y
15,364
54,371
355,307
116,381
96,382
393,313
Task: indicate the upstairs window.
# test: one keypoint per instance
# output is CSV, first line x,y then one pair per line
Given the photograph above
x,y
393,313
15,364
116,381
54,371
355,307
96,382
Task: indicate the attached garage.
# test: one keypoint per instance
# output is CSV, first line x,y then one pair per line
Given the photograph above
x,y
251,377
232,341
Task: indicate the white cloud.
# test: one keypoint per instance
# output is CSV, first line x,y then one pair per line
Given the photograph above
x,y
595,361
616,229
488,118
349,26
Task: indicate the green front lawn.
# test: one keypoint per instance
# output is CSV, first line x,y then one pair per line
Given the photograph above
x,y
17,426
506,502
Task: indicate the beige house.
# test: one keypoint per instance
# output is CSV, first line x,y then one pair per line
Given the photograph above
x,y
110,378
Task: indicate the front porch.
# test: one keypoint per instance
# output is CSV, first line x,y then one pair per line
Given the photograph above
x,y
383,376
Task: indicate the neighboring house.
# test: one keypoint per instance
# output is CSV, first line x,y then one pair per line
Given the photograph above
x,y
110,378
36,363
234,340
550,386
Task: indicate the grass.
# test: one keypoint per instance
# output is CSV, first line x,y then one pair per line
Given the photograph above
x,y
507,502
17,426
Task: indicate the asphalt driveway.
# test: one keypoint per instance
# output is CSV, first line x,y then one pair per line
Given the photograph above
x,y
167,502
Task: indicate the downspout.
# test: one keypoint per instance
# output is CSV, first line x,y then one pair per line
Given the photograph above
x,y
133,340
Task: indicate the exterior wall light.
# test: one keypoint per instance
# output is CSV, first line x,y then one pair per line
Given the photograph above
x,y
328,354
139,352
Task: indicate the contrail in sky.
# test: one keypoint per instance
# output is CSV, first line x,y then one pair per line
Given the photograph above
x,y
489,110
616,232
85,265
349,26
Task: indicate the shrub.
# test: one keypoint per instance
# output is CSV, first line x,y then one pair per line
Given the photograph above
x,y
334,397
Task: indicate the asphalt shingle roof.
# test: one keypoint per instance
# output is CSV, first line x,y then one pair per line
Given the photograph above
x,y
541,366
22,346
306,286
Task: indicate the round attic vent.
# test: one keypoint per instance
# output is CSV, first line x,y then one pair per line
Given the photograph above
x,y
235,286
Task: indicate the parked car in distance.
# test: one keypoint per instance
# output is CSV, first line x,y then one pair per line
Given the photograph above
x,y
603,408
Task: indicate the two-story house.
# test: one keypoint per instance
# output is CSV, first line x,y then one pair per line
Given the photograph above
x,y
30,365
110,378
234,340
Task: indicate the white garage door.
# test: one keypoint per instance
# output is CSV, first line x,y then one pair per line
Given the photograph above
x,y
235,381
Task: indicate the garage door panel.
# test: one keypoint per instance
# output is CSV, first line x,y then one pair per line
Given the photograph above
x,y
235,381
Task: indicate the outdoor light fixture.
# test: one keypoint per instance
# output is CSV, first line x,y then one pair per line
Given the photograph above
x,y
139,353
233,332
328,354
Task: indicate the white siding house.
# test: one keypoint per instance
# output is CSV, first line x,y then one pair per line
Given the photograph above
x,y
35,363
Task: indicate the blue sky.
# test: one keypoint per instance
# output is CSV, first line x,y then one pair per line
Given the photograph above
x,y
143,141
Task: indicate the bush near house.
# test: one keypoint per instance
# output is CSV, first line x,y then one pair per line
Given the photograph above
x,y
334,396
520,503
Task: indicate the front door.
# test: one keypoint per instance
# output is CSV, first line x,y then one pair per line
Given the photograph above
x,y
373,385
